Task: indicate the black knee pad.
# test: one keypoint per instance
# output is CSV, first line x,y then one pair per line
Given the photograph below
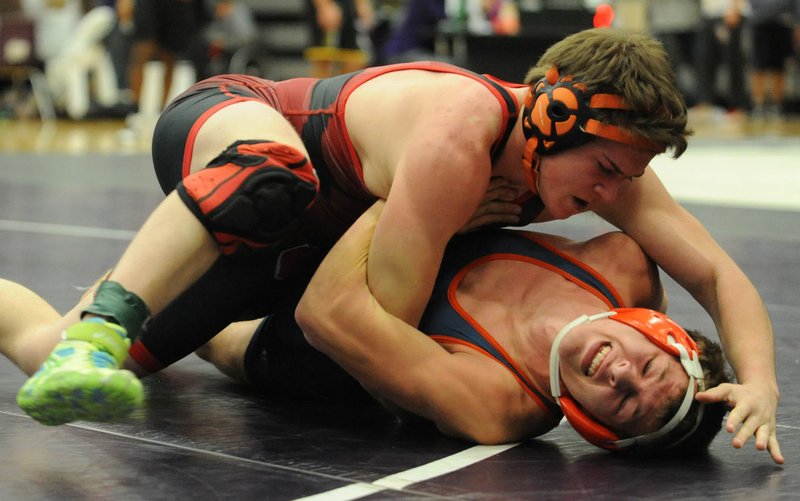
x,y
252,194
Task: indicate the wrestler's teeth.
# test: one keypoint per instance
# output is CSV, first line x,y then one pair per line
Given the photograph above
x,y
598,359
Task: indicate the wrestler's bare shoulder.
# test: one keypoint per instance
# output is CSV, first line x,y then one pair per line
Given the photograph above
x,y
409,96
613,244
421,119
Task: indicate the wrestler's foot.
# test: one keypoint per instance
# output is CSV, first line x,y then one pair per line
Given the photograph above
x,y
81,379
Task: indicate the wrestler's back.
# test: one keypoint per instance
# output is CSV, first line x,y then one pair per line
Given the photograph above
x,y
398,115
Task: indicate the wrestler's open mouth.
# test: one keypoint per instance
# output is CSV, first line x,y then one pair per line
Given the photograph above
x,y
597,360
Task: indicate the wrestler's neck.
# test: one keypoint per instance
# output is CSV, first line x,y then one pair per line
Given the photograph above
x,y
544,326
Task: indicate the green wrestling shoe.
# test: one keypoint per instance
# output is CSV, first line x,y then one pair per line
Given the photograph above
x,y
81,379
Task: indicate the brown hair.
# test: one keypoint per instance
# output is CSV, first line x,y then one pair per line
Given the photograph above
x,y
633,65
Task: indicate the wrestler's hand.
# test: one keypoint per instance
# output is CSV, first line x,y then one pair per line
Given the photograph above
x,y
496,208
753,407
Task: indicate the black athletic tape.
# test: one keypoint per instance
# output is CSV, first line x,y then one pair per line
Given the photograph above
x,y
125,308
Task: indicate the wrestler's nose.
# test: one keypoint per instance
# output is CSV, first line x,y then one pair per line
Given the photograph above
x,y
620,374
608,189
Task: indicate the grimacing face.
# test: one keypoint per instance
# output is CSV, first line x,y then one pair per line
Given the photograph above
x,y
619,377
589,176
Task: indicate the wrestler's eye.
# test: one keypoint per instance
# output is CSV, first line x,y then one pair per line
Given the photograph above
x,y
605,169
624,401
647,367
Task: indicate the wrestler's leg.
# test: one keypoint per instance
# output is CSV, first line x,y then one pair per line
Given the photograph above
x,y
35,337
173,248
27,321
227,349
170,252
30,327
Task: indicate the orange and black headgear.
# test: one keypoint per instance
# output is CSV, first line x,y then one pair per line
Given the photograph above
x,y
559,112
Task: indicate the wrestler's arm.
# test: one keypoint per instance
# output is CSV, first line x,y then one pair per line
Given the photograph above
x,y
441,175
685,250
466,396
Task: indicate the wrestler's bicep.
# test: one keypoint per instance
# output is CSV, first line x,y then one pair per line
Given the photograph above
x,y
420,216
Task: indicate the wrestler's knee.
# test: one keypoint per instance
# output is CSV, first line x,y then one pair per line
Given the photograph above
x,y
253,193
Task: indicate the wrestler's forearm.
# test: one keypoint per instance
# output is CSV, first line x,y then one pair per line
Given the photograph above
x,y
745,330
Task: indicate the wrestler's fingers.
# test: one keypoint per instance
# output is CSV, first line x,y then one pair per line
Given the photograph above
x,y
736,417
500,189
489,219
736,423
746,430
502,194
499,207
762,437
496,182
717,394
775,449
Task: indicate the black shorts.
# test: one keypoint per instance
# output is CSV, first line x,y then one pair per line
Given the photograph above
x,y
772,45
172,24
280,362
177,122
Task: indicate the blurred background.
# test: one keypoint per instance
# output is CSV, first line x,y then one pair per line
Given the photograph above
x,y
88,75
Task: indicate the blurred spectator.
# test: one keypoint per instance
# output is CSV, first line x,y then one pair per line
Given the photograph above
x,y
232,27
164,30
335,26
414,37
484,17
719,42
55,20
503,16
119,43
776,35
78,68
18,62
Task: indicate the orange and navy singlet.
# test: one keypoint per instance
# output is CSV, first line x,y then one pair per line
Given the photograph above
x,y
445,320
279,359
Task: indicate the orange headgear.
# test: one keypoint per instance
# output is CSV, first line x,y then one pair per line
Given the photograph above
x,y
664,333
558,113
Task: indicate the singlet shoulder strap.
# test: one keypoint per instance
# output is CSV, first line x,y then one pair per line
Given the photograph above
x,y
510,111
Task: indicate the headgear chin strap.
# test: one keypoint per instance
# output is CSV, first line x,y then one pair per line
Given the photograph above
x,y
559,112
661,331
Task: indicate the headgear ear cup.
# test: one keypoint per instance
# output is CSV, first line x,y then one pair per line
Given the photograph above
x,y
554,111
592,431
559,112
